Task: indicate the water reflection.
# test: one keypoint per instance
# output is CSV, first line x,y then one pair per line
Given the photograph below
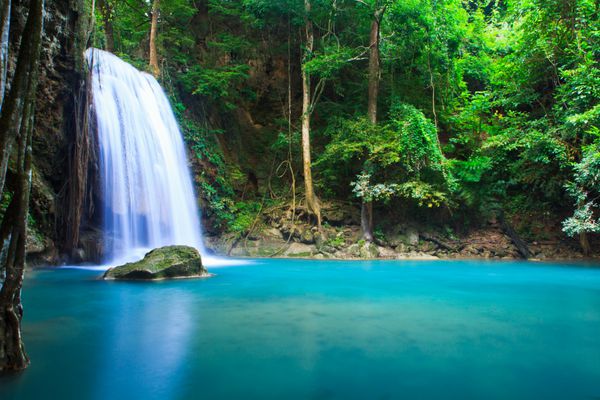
x,y
296,329
146,345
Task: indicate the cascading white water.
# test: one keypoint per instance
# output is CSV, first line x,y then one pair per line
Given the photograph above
x,y
147,189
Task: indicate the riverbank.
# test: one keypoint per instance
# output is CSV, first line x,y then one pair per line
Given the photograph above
x,y
273,234
269,247
340,238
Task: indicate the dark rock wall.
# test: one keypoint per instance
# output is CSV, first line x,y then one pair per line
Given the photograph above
x,y
62,71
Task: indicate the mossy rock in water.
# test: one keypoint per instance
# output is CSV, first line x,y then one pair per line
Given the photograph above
x,y
162,263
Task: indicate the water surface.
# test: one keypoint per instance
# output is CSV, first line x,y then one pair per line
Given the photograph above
x,y
298,329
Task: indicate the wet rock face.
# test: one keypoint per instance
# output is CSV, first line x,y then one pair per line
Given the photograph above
x,y
66,29
162,263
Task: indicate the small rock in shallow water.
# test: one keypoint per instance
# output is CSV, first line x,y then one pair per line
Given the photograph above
x,y
162,263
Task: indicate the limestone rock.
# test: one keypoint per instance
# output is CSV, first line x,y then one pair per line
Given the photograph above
x,y
340,214
369,250
300,250
307,237
386,252
273,233
412,236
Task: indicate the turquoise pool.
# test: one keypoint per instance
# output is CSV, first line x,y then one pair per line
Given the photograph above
x,y
302,329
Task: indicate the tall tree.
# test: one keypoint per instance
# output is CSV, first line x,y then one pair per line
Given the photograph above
x,y
106,12
12,350
312,201
366,214
14,103
154,68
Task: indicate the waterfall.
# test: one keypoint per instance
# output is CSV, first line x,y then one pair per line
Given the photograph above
x,y
148,199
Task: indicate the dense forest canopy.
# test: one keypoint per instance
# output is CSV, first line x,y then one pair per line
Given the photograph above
x,y
482,106
447,113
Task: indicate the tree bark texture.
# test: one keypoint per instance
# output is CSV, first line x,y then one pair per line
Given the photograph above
x,y
154,68
584,243
12,350
311,199
106,12
366,210
12,109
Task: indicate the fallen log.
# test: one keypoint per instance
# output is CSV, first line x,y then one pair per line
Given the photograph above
x,y
521,246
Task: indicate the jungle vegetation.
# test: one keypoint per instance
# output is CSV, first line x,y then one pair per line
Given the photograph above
x,y
465,106
452,109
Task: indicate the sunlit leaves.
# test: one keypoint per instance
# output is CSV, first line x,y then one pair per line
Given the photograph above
x,y
422,193
400,157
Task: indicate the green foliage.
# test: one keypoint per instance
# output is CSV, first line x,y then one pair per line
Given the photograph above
x,y
130,21
471,170
483,105
417,139
244,215
215,181
329,62
583,220
585,189
5,202
216,83
337,241
474,189
227,42
424,194
363,189
403,151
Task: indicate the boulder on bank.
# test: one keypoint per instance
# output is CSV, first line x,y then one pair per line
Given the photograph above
x,y
162,263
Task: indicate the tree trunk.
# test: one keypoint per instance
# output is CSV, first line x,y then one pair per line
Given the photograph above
x,y
366,210
4,29
12,351
106,12
12,354
5,232
366,220
12,109
311,199
374,67
585,244
432,84
431,77
153,33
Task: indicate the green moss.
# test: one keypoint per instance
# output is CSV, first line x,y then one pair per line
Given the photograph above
x,y
265,251
337,241
164,262
303,254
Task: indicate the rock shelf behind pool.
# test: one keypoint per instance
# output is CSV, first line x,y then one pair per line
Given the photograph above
x,y
162,263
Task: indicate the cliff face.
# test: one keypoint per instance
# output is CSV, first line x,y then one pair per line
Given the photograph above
x,y
61,73
62,63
